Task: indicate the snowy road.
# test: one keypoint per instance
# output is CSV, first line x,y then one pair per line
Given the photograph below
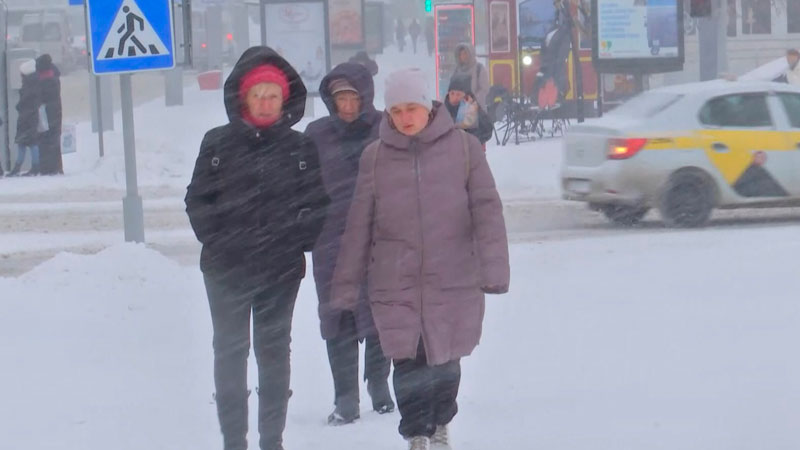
x,y
40,226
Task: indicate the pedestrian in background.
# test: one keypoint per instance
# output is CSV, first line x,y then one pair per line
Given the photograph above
x,y
400,35
414,30
49,83
430,38
467,64
29,120
793,72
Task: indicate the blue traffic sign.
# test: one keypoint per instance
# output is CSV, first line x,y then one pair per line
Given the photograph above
x,y
130,35
76,2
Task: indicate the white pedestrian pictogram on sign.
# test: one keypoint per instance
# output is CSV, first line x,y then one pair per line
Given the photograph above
x,y
131,35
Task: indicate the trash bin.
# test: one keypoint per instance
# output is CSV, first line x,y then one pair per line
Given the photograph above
x,y
210,81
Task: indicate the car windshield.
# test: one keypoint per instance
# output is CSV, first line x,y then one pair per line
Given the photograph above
x,y
646,105
37,32
32,32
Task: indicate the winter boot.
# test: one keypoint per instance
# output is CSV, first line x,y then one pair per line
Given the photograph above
x,y
441,439
381,398
347,411
419,443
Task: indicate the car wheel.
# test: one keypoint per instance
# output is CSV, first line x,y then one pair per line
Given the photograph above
x,y
687,201
624,215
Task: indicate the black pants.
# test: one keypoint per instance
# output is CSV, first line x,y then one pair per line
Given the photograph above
x,y
426,395
343,357
272,308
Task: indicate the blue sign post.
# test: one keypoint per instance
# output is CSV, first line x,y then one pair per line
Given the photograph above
x,y
130,35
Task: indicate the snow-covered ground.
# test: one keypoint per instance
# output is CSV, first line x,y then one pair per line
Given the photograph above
x,y
650,339
681,342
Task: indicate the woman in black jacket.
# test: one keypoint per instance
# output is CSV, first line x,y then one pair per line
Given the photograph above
x,y
49,80
27,137
256,202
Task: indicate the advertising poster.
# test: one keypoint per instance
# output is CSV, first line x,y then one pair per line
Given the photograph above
x,y
638,29
293,30
500,19
454,25
373,28
536,19
346,22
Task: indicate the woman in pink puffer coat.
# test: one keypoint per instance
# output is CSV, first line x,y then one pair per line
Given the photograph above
x,y
426,229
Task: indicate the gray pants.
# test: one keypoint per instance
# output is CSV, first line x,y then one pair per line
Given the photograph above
x,y
343,357
272,308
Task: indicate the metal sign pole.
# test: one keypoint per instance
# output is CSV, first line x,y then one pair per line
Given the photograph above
x,y
188,37
150,46
262,14
97,94
132,203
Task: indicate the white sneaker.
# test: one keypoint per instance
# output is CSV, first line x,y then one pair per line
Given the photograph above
x,y
441,439
419,443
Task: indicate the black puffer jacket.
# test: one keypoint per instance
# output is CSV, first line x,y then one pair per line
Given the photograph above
x,y
28,111
256,200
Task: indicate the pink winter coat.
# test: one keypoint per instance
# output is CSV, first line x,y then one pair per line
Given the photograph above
x,y
426,228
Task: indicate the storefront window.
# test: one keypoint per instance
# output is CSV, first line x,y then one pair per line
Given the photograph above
x,y
793,16
732,16
756,16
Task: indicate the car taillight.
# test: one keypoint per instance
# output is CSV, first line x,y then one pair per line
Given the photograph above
x,y
625,148
230,36
203,45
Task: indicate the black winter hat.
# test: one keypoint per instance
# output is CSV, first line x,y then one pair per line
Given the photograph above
x,y
44,63
460,82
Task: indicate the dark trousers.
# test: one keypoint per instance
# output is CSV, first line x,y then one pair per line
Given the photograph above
x,y
272,308
343,357
426,395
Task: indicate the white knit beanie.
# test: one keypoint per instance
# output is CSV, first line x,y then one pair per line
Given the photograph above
x,y
407,86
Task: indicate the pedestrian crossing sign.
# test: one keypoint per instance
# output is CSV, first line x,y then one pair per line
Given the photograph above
x,y
130,35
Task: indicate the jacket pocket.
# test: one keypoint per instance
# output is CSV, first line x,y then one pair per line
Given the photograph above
x,y
457,265
390,266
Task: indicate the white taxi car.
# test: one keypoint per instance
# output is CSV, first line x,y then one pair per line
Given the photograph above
x,y
686,150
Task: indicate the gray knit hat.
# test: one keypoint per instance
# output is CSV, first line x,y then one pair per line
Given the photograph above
x,y
407,86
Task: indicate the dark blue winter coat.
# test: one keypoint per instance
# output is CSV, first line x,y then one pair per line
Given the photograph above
x,y
340,145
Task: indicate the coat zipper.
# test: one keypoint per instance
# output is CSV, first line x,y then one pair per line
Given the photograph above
x,y
418,180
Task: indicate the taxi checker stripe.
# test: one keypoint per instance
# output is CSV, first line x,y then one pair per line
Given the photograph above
x,y
731,165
